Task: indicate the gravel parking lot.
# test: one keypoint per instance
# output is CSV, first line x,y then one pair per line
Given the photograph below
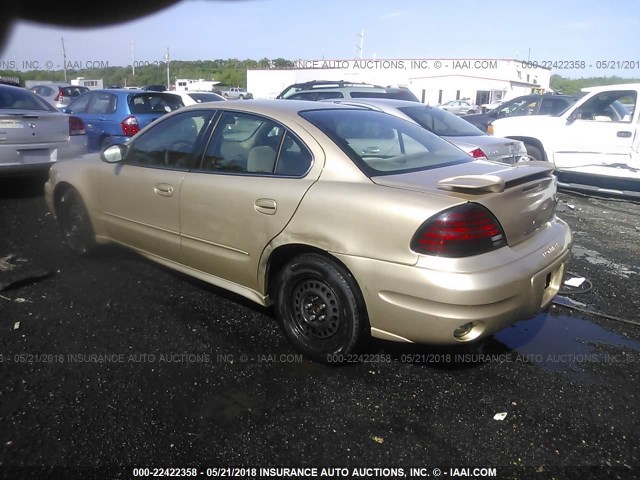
x,y
115,361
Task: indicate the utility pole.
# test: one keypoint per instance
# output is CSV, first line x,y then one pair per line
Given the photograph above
x,y
64,60
166,57
361,46
133,57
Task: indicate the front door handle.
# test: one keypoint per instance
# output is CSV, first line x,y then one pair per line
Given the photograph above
x,y
163,189
266,206
624,134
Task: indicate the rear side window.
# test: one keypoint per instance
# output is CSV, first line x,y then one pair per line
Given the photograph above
x,y
326,95
151,102
249,144
302,96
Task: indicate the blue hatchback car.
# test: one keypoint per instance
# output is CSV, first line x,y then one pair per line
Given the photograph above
x,y
112,116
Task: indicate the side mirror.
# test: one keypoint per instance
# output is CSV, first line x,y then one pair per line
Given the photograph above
x,y
114,153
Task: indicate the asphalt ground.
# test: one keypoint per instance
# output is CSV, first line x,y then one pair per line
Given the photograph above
x,y
115,362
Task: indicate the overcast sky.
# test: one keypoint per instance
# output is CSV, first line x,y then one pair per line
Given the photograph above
x,y
542,30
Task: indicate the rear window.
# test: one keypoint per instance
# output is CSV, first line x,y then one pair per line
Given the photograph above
x,y
73,91
381,144
151,102
441,122
18,99
205,97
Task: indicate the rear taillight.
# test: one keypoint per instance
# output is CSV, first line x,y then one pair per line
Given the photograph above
x,y
130,126
477,153
59,96
461,231
76,126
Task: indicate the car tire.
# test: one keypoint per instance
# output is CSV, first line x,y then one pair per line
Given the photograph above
x,y
534,152
75,223
320,308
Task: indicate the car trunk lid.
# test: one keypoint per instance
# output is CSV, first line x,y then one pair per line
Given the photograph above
x,y
23,127
522,196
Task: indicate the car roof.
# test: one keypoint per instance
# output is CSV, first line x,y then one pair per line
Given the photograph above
x,y
383,102
621,86
271,106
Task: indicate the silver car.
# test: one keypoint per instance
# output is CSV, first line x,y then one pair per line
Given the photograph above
x,y
459,107
33,134
59,94
450,127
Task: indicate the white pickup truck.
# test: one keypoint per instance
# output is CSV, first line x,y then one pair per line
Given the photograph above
x,y
235,93
596,141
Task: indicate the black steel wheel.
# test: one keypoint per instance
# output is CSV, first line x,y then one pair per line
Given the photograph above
x,y
320,308
75,223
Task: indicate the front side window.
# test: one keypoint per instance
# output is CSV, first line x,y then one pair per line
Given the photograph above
x,y
525,106
171,143
381,144
607,107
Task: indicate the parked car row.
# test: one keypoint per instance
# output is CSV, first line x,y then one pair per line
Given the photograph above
x,y
34,134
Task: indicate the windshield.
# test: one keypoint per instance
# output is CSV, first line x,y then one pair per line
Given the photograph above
x,y
381,144
441,122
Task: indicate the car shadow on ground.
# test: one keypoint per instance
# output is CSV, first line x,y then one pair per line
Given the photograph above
x,y
22,187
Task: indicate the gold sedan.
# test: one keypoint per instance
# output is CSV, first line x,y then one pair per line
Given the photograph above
x,y
352,223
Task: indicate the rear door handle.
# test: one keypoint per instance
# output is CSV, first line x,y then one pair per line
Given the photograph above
x,y
624,134
163,189
371,150
266,206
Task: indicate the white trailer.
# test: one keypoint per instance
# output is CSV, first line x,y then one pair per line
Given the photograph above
x,y
191,85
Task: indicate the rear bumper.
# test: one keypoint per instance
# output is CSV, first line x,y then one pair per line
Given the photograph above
x,y
424,305
16,159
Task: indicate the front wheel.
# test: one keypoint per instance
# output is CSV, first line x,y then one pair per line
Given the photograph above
x,y
320,308
75,223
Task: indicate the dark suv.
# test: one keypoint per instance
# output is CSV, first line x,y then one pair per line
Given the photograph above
x,y
326,89
534,104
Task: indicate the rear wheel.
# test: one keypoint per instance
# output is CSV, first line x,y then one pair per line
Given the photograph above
x,y
106,142
75,223
321,309
533,152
